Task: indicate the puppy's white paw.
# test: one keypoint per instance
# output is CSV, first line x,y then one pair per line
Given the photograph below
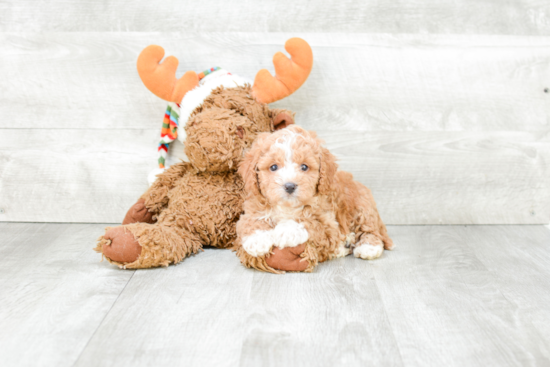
x,y
343,251
349,240
368,252
289,233
259,243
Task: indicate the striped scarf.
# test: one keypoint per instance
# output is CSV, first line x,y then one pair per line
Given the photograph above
x,y
169,131
170,124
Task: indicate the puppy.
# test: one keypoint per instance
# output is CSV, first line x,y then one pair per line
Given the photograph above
x,y
300,210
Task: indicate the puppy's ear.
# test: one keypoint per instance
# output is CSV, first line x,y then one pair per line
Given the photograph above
x,y
327,171
247,168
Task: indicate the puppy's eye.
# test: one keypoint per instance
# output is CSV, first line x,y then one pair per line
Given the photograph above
x,y
304,167
273,168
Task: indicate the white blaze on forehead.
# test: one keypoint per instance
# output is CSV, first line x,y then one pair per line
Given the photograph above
x,y
285,143
288,172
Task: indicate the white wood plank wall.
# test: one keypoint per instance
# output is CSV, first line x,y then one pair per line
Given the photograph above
x,y
440,108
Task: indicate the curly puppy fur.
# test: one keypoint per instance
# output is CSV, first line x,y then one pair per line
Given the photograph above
x,y
199,203
328,205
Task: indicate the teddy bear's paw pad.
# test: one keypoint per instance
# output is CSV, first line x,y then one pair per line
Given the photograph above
x,y
368,252
288,259
138,213
258,244
289,233
123,248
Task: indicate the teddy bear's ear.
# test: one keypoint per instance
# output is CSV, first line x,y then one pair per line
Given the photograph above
x,y
282,118
327,171
248,166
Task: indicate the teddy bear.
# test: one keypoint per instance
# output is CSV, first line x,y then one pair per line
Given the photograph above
x,y
198,202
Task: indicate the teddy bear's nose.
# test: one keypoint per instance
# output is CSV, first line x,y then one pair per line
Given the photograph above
x,y
290,187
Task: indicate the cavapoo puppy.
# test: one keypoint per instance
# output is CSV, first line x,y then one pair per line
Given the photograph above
x,y
300,210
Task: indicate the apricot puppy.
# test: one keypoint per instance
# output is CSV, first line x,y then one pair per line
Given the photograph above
x,y
300,207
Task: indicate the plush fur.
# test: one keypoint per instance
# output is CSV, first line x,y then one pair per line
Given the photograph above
x,y
328,211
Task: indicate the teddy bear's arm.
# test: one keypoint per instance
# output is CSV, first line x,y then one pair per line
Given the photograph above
x,y
274,260
156,196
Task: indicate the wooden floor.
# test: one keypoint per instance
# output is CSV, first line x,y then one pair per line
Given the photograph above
x,y
448,295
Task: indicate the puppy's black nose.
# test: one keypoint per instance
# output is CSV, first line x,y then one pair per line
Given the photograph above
x,y
290,187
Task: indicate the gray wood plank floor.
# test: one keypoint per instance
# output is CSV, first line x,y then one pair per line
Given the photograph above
x,y
448,295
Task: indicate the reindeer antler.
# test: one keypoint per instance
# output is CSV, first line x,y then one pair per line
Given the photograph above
x,y
161,78
289,74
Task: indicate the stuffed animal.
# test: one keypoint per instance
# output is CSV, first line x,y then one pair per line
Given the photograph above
x,y
197,203
299,210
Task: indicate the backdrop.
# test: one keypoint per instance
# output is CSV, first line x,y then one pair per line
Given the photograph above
x,y
441,108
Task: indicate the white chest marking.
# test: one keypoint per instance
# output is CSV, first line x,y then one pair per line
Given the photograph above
x,y
288,172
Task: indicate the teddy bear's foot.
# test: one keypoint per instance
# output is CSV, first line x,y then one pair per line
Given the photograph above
x,y
288,259
143,245
138,213
280,260
119,245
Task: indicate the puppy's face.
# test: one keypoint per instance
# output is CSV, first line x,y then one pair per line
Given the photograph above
x,y
288,167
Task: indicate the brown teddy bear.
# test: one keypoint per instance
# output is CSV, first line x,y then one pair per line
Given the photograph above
x,y
196,203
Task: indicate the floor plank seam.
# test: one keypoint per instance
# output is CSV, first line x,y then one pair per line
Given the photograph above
x,y
245,319
388,318
103,319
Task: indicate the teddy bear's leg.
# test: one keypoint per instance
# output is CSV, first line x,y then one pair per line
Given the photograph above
x,y
289,259
151,203
300,258
295,251
138,213
143,245
257,247
255,262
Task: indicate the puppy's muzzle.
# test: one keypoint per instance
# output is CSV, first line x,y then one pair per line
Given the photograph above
x,y
290,187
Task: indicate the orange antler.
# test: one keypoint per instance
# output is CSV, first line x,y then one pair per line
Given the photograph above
x,y
161,78
289,74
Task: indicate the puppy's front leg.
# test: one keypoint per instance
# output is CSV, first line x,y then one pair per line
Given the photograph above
x,y
289,238
254,235
258,243
256,238
289,233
